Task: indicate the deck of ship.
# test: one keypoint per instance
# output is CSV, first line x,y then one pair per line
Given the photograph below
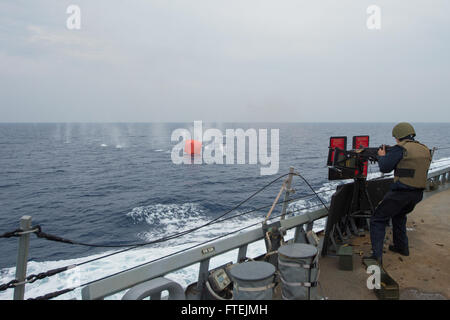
x,y
424,274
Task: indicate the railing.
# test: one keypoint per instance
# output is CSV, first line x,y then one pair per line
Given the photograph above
x,y
437,181
130,278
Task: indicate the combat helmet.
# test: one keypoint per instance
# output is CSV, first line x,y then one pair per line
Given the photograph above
x,y
402,130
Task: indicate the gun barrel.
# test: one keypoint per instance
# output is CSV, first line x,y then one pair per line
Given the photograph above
x,y
371,153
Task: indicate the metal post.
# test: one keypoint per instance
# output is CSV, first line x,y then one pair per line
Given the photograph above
x,y
309,225
286,195
436,181
22,258
242,254
203,275
299,234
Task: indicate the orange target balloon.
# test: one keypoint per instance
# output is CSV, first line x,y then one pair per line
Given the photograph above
x,y
193,147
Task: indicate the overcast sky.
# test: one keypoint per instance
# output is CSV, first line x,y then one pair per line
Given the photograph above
x,y
224,60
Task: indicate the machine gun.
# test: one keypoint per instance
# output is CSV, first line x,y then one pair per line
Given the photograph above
x,y
353,203
350,164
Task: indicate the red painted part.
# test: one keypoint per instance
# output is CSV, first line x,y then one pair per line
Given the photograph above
x,y
193,147
336,142
360,142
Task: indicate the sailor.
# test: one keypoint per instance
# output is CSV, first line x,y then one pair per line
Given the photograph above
x,y
410,161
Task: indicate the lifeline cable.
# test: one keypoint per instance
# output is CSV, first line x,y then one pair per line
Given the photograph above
x,y
439,167
268,206
442,148
10,234
440,160
306,181
32,278
9,285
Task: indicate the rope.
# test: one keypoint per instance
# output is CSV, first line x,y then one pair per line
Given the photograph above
x,y
51,237
53,294
34,277
10,234
19,232
11,284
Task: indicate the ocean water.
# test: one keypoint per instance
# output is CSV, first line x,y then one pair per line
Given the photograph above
x,y
116,184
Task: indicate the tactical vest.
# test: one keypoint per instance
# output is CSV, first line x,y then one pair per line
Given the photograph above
x,y
412,170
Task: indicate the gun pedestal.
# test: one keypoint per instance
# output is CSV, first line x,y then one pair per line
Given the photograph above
x,y
352,205
358,211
